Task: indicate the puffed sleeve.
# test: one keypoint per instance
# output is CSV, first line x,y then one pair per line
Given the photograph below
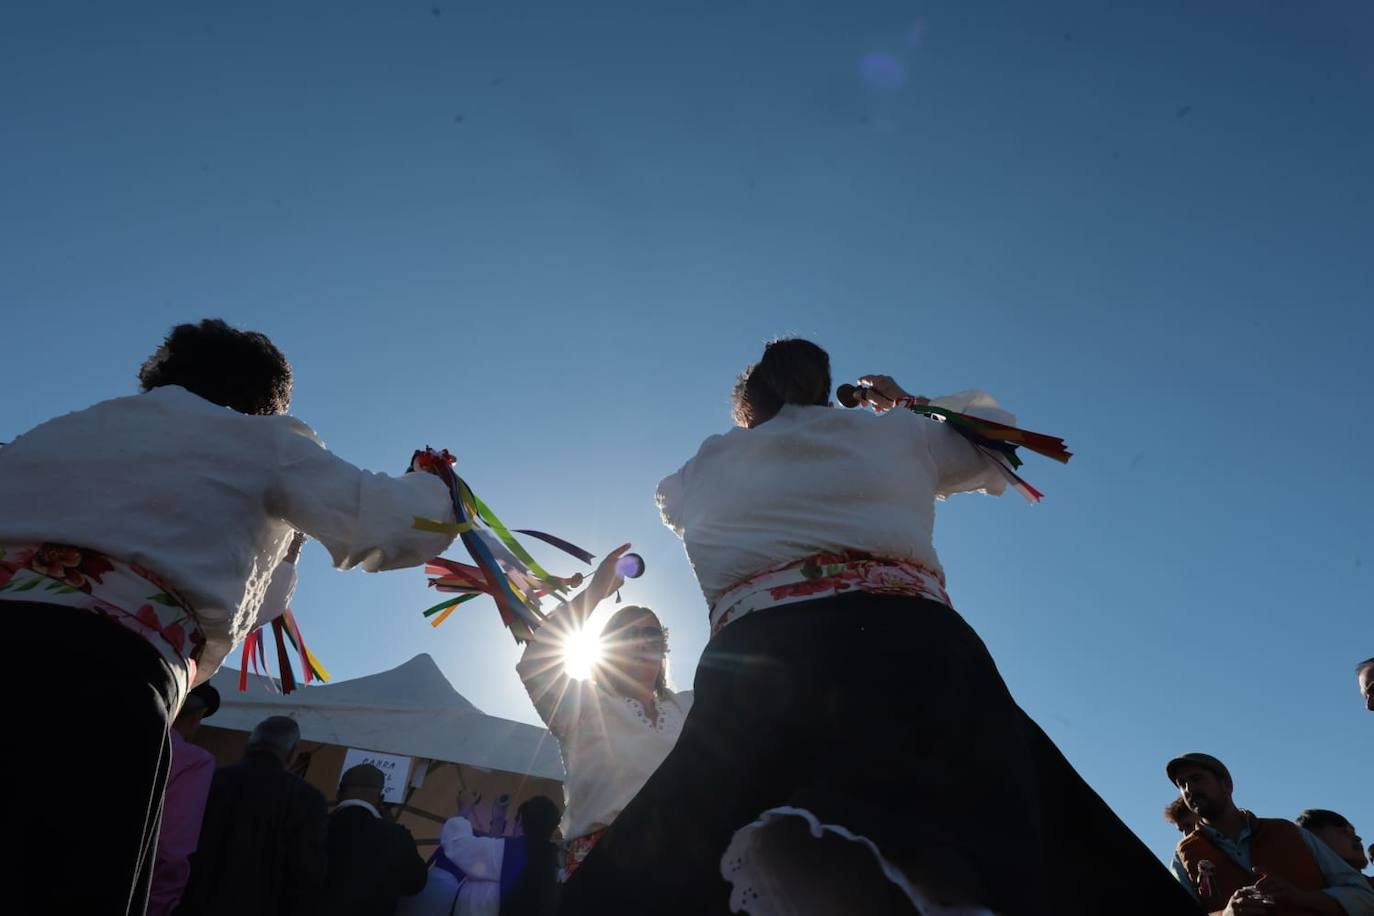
x,y
672,492
669,499
479,857
362,518
960,466
279,592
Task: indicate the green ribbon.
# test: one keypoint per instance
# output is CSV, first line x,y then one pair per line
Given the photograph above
x,y
503,533
452,602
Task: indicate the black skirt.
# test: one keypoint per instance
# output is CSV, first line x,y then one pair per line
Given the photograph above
x,y
898,768
93,710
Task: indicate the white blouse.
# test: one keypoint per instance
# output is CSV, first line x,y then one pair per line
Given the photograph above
x,y
480,858
819,479
609,746
208,498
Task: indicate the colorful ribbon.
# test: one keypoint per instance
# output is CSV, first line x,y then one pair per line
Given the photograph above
x,y
285,631
997,442
561,544
501,567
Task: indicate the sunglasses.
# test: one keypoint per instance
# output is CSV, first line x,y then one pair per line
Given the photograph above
x,y
647,633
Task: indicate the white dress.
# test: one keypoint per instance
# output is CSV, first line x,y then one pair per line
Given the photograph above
x,y
480,858
609,746
815,480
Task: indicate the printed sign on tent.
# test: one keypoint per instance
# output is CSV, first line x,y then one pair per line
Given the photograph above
x,y
395,768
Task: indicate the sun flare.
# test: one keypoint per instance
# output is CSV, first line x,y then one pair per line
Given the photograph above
x,y
581,652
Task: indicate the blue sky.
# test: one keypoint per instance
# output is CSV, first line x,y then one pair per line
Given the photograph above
x,y
548,239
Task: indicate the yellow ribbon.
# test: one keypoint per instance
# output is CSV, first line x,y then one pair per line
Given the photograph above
x,y
429,524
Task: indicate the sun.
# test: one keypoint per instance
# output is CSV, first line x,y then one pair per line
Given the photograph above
x,y
581,652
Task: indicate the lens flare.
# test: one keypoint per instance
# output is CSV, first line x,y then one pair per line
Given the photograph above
x,y
581,653
882,72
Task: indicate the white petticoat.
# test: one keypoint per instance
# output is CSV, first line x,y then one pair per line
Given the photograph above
x,y
772,876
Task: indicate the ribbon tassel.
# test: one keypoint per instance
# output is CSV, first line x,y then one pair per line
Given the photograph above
x,y
997,442
286,632
501,566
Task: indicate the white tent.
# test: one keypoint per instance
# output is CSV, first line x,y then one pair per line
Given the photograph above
x,y
411,710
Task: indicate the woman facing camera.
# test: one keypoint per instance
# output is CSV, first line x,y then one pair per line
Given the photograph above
x,y
613,728
852,747
138,538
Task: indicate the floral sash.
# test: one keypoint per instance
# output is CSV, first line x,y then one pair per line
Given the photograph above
x,y
576,850
125,592
824,575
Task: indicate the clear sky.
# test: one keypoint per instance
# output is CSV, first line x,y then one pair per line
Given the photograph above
x,y
547,236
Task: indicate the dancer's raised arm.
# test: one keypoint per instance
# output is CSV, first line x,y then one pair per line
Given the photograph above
x,y
542,668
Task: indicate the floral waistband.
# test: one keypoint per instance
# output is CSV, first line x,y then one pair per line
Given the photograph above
x,y
576,850
824,575
127,593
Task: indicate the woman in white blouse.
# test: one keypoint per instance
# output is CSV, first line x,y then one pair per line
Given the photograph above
x,y
852,747
138,538
511,875
615,727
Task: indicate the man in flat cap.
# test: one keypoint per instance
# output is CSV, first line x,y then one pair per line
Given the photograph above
x,y
1237,864
372,861
183,804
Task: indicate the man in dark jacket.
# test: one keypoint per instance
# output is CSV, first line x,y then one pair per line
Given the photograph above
x,y
372,861
261,845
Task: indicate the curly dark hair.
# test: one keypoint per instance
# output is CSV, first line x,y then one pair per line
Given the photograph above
x,y
792,371
241,370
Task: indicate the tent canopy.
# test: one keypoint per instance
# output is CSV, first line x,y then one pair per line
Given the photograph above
x,y
410,710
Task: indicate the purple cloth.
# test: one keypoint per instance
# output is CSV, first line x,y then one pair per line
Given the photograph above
x,y
439,860
183,807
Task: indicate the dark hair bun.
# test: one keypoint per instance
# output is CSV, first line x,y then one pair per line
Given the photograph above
x,y
792,371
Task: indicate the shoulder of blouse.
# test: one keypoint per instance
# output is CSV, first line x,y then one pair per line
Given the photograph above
x,y
287,425
181,399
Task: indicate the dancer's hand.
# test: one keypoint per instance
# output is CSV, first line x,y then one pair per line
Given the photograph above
x,y
885,392
468,801
572,615
428,460
606,581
